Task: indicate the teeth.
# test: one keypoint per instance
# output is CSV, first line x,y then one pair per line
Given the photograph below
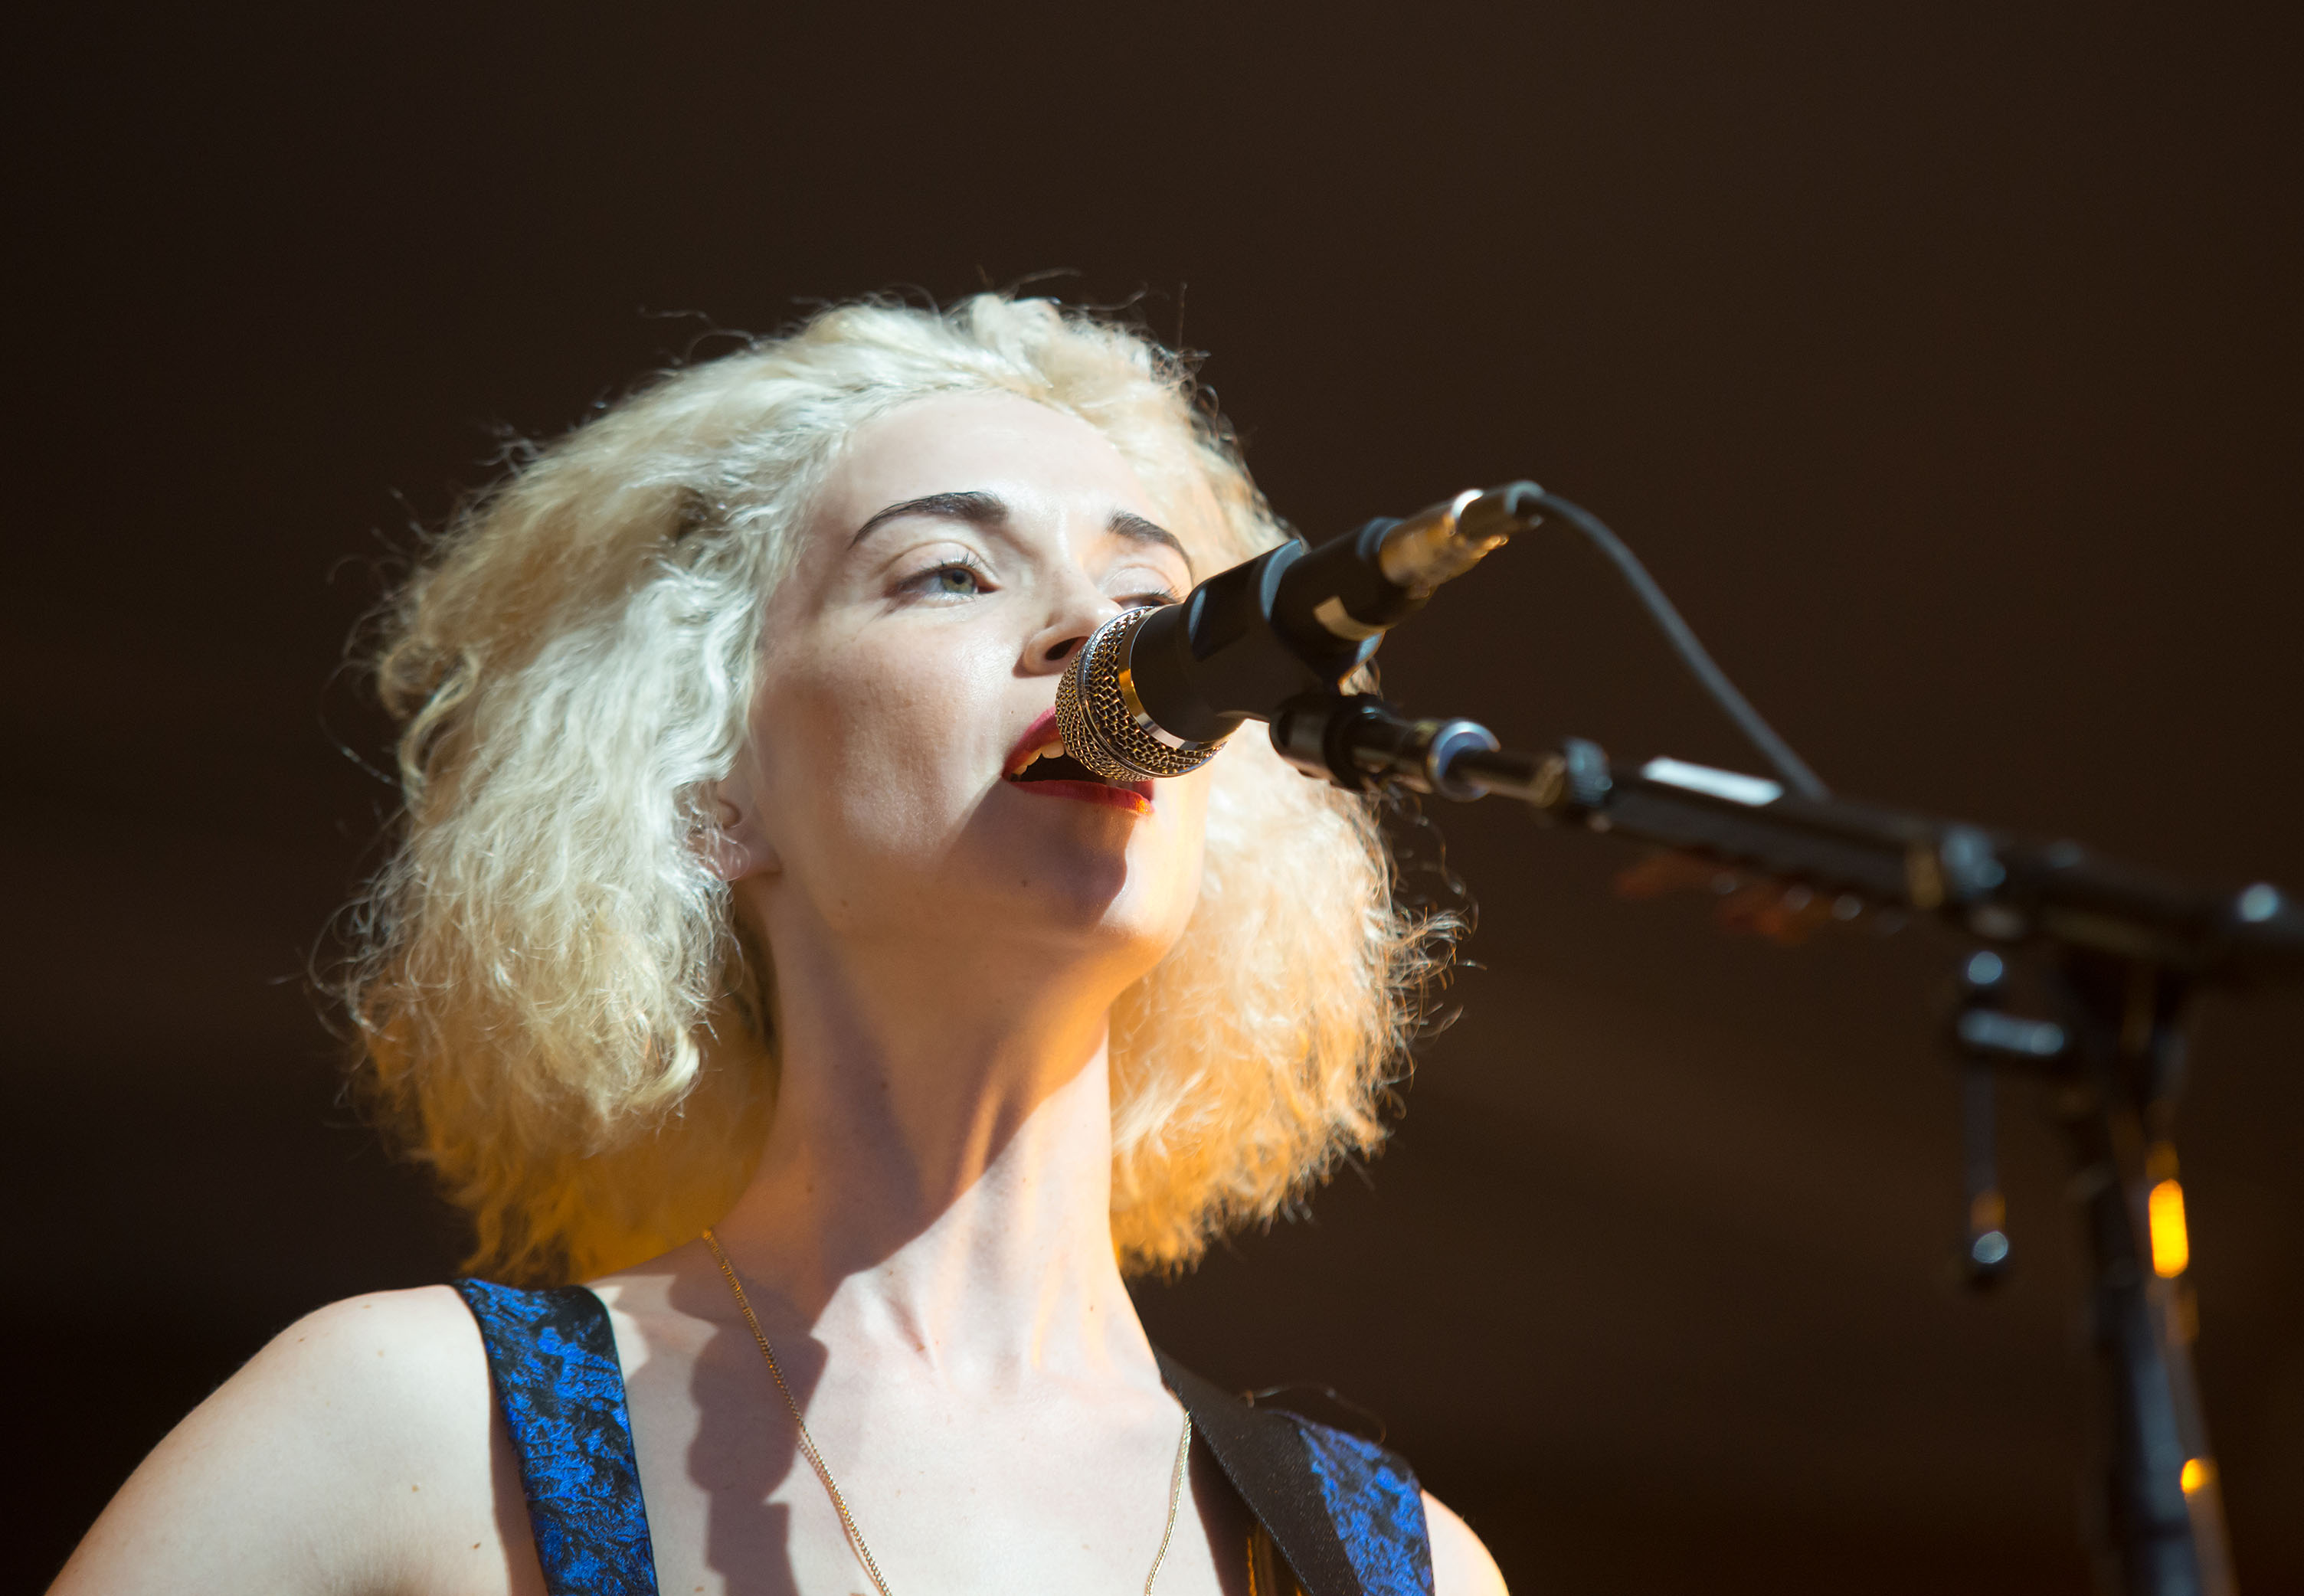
x,y
1050,752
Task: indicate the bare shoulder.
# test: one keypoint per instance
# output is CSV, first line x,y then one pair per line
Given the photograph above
x,y
352,1454
390,1357
1461,1564
394,1375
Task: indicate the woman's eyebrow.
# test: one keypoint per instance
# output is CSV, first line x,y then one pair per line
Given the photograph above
x,y
1135,529
974,506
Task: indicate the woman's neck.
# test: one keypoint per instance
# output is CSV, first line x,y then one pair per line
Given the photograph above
x,y
937,1174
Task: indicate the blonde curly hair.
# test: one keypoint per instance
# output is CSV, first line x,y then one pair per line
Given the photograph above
x,y
554,1006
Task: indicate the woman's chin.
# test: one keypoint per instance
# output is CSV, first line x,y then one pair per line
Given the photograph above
x,y
1102,901
1102,898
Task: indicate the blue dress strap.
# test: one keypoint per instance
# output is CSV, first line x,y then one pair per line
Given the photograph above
x,y
1346,1513
552,1357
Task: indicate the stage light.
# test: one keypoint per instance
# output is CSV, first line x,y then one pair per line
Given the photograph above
x,y
2172,1248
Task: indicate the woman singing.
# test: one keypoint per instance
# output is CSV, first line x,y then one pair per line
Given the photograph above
x,y
753,955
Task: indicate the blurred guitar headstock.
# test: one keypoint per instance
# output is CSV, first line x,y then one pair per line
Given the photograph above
x,y
1786,913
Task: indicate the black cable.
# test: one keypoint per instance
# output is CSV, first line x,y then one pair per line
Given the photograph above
x,y
1790,765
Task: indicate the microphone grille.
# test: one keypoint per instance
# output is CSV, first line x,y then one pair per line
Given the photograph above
x,y
1101,722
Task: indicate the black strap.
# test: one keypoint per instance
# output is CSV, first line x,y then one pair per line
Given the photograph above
x,y
1286,1470
552,1356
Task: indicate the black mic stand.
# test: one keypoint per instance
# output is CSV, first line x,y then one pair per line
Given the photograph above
x,y
2125,950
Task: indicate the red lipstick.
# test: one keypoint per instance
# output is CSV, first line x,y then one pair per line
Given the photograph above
x,y
1038,763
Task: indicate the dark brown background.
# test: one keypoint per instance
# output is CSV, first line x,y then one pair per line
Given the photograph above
x,y
1943,362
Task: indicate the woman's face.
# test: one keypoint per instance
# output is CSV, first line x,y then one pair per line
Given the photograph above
x,y
961,549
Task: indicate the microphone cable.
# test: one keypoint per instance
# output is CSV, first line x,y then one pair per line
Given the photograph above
x,y
1790,766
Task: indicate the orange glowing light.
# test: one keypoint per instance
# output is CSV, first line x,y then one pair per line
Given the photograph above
x,y
2198,1473
2172,1247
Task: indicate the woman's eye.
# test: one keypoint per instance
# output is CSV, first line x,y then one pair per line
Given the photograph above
x,y
954,579
1135,587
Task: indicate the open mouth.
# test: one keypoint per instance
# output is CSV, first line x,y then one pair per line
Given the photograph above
x,y
1039,765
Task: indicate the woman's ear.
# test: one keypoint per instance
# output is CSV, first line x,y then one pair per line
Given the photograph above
x,y
736,847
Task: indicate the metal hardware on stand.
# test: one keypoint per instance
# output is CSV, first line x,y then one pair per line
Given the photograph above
x,y
1981,1033
2123,951
2160,1501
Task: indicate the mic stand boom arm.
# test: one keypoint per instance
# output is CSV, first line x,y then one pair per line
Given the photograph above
x,y
2127,947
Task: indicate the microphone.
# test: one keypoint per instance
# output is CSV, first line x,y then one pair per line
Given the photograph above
x,y
1154,692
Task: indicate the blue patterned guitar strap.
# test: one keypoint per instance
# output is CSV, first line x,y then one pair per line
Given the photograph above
x,y
553,1359
1347,1514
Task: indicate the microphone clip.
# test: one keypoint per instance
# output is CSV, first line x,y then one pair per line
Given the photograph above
x,y
1362,744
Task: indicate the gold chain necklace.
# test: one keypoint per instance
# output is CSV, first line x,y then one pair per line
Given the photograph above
x,y
832,1486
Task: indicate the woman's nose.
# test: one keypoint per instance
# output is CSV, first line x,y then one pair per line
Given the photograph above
x,y
1078,612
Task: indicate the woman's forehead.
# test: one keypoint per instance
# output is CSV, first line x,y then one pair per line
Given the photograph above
x,y
1037,461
